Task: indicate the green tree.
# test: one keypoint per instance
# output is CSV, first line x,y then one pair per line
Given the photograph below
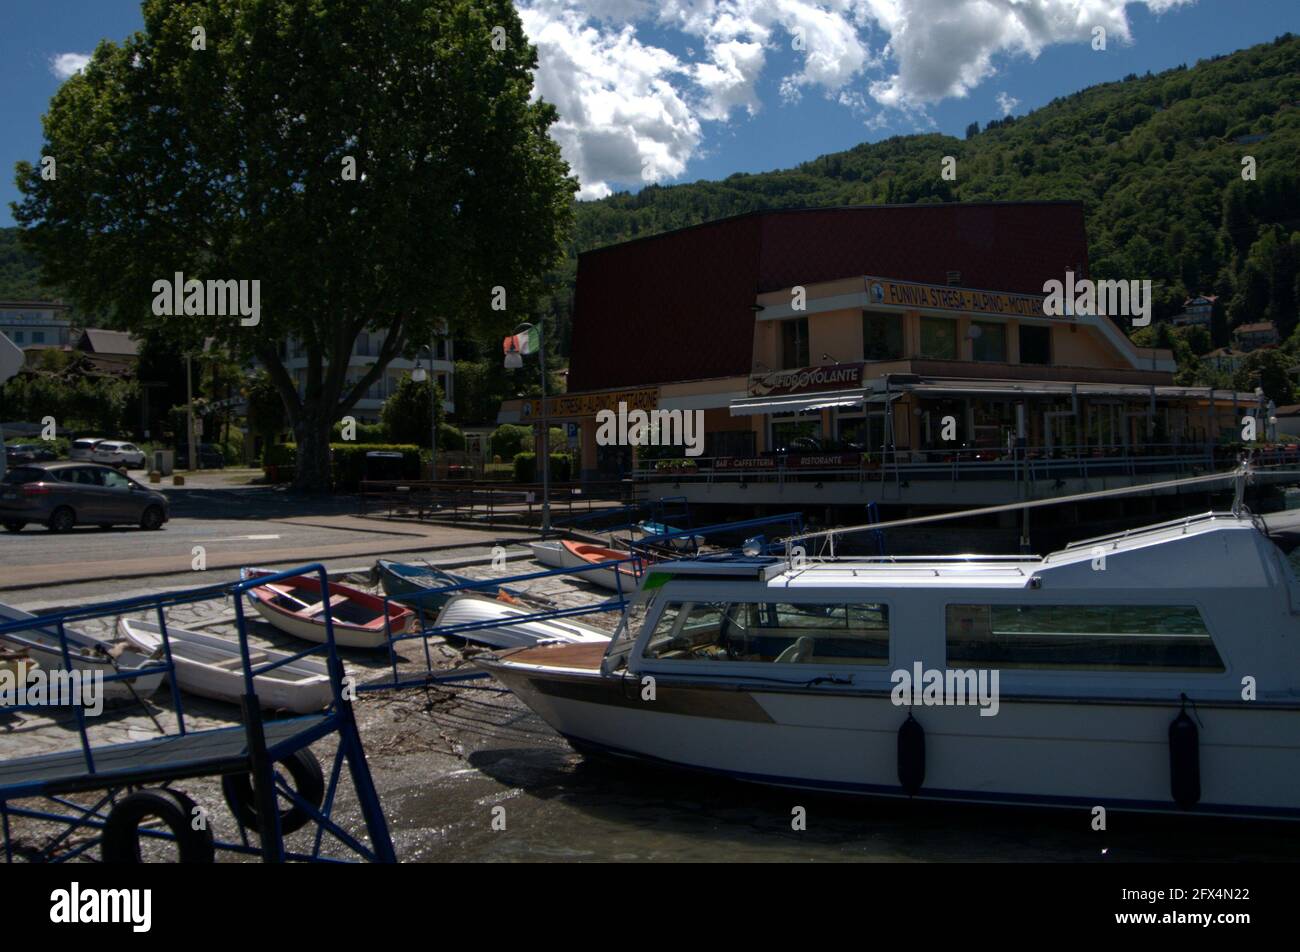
x,y
405,414
1267,369
266,416
232,162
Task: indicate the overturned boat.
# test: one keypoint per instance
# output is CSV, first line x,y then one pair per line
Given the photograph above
x,y
497,624
1150,670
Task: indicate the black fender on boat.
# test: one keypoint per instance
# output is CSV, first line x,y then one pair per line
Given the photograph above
x,y
911,755
1184,759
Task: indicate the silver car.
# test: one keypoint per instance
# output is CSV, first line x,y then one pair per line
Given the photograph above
x,y
84,448
66,494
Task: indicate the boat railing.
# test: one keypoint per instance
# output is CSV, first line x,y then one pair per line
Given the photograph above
x,y
662,545
1120,535
427,629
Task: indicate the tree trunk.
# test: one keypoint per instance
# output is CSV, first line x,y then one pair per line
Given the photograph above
x,y
312,431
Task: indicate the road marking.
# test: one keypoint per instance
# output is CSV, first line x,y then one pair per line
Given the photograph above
x,y
243,538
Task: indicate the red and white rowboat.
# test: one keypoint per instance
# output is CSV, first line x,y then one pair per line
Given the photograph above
x,y
294,605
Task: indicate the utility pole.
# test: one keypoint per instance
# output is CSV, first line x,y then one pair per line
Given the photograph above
x,y
189,410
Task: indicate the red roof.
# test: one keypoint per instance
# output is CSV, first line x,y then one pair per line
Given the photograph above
x,y
678,306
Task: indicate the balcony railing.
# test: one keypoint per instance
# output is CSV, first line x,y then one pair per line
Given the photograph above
x,y
1032,464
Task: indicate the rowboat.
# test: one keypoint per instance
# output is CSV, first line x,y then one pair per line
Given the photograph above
x,y
469,609
294,605
1108,673
87,653
618,578
550,552
404,578
212,667
681,542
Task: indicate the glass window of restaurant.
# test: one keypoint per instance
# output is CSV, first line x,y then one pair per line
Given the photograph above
x,y
794,343
860,431
1035,344
995,420
931,422
989,342
939,338
882,335
796,432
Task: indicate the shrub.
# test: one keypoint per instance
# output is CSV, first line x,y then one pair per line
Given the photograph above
x,y
366,433
348,462
508,440
450,438
526,467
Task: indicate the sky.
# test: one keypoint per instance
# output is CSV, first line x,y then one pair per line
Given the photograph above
x,y
676,91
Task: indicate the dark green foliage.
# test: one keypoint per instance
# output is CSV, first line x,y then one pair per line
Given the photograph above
x,y
526,467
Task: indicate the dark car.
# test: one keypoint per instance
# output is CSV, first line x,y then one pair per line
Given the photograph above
x,y
29,453
210,457
62,495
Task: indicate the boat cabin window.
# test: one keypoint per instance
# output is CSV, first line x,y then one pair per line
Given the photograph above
x,y
1081,637
778,632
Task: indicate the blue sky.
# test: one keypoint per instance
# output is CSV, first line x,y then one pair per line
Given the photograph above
x,y
680,90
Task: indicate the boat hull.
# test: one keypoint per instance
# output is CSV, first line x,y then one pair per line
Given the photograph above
x,y
212,667
312,628
43,647
468,609
615,578
1042,752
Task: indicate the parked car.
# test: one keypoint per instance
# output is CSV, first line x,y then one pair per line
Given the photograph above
x,y
84,448
210,457
117,453
29,453
66,494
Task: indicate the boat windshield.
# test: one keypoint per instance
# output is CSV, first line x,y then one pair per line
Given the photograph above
x,y
776,632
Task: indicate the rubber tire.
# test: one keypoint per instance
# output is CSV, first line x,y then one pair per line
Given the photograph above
x,y
56,524
308,781
148,522
15,526
121,839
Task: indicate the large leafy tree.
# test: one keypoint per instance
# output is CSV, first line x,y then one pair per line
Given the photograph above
x,y
230,161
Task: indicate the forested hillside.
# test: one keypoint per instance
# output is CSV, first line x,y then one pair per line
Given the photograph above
x,y
1156,159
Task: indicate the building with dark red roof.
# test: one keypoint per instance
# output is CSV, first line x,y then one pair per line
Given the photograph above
x,y
812,347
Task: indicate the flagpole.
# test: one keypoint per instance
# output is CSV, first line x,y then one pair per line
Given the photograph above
x,y
546,438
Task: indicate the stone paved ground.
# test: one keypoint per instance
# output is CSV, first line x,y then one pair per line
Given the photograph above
x,y
396,726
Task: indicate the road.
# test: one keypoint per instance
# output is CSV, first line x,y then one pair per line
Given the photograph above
x,y
223,529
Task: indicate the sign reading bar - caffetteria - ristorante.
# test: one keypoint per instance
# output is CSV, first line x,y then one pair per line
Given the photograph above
x,y
806,380
884,292
589,404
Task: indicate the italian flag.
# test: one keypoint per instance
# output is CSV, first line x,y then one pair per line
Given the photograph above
x,y
526,343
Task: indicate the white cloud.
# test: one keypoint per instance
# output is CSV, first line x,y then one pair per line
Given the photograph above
x,y
66,65
628,104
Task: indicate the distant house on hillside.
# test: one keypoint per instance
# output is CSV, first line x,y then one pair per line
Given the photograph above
x,y
1254,336
111,351
35,323
1197,311
1225,359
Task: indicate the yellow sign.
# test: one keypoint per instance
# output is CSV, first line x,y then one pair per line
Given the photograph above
x,y
888,293
589,404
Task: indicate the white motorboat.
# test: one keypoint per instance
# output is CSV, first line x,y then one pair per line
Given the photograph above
x,y
469,608
1156,669
86,652
212,667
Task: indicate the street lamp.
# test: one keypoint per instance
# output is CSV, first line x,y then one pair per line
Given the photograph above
x,y
418,376
526,339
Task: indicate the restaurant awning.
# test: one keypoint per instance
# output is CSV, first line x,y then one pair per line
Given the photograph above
x,y
938,387
795,403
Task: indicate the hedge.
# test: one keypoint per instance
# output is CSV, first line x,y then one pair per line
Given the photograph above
x,y
347,461
526,467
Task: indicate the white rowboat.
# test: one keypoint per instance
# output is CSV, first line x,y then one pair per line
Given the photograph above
x,y
212,667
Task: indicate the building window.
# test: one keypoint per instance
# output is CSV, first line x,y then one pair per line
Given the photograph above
x,y
938,338
882,336
1096,637
38,337
990,343
797,433
772,632
735,443
794,343
1035,344
18,337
